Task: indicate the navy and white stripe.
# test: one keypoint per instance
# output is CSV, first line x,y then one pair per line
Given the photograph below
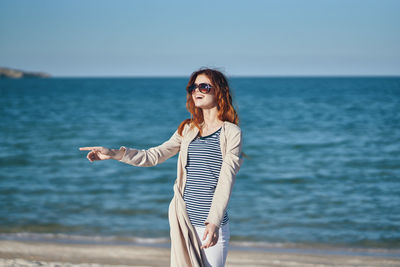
x,y
203,168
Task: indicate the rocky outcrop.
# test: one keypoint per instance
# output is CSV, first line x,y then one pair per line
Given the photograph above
x,y
13,73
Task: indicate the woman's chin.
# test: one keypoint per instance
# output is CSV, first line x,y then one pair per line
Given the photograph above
x,y
201,105
198,105
208,105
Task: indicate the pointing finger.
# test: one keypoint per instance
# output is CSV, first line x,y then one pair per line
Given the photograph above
x,y
89,147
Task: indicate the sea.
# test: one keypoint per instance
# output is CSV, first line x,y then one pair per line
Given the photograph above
x,y
322,168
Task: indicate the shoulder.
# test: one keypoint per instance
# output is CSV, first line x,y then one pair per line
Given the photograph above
x,y
187,128
233,133
183,127
189,125
232,128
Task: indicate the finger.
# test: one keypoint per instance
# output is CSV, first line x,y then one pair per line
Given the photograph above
x,y
86,148
213,241
215,237
208,242
205,234
207,245
90,147
92,156
95,156
88,156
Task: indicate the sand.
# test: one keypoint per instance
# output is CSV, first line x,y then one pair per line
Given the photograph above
x,y
29,253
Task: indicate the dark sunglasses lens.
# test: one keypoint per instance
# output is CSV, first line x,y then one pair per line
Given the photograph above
x,y
204,88
191,88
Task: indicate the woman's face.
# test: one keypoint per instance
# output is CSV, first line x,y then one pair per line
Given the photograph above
x,y
201,100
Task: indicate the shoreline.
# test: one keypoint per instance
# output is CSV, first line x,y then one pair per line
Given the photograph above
x,y
35,253
246,246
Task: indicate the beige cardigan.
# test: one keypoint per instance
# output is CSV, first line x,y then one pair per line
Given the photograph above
x,y
185,246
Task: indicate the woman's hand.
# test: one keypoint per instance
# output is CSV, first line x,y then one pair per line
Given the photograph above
x,y
212,232
101,153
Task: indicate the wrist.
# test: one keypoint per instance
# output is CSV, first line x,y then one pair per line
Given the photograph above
x,y
118,153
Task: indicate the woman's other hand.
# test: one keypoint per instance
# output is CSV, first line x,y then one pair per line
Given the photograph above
x,y
101,153
212,232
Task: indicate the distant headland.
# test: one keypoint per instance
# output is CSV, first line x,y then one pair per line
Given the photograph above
x,y
14,73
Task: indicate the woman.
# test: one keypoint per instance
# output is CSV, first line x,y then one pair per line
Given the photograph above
x,y
210,155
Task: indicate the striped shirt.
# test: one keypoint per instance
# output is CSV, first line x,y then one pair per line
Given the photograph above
x,y
203,169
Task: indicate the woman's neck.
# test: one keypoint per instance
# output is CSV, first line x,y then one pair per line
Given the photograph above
x,y
211,119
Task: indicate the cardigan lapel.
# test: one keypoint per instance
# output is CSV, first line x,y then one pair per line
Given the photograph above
x,y
189,136
222,140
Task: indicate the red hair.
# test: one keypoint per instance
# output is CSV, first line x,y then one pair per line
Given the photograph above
x,y
226,111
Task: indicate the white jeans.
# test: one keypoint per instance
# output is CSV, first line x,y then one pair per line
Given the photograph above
x,y
215,256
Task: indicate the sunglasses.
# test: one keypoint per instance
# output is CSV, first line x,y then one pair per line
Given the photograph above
x,y
204,88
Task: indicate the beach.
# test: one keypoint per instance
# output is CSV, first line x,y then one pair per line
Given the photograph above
x,y
29,253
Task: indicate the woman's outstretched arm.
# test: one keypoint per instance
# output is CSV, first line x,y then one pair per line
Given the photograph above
x,y
152,156
141,158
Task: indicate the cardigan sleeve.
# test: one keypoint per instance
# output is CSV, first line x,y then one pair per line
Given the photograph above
x,y
154,155
229,168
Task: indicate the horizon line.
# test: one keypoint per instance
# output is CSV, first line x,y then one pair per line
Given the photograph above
x,y
237,76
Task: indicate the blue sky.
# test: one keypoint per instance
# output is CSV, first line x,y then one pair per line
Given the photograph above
x,y
174,38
